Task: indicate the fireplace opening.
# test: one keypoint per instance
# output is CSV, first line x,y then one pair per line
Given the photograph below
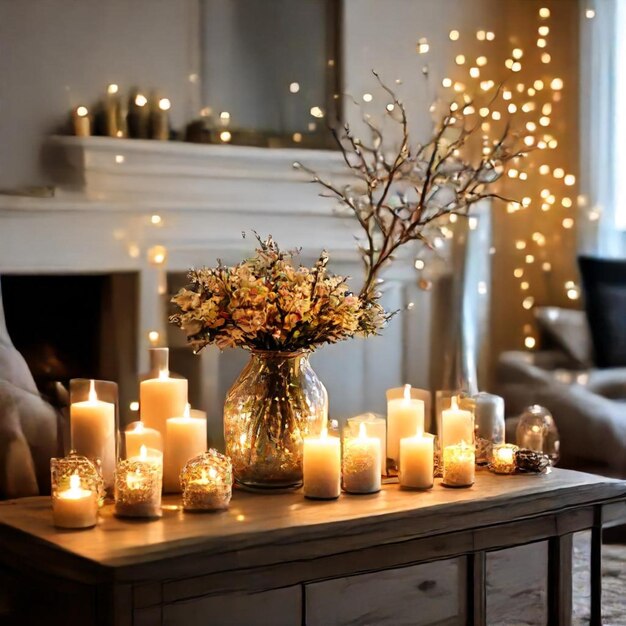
x,y
74,326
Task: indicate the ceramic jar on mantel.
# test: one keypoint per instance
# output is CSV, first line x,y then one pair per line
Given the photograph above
x,y
276,402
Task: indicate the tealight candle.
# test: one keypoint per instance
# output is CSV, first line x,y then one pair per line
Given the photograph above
x,y
161,398
207,482
93,431
138,484
75,507
137,435
458,465
457,425
405,417
361,463
503,460
322,466
185,437
417,461
374,427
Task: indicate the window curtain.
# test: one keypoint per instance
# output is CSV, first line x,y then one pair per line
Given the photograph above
x,y
600,49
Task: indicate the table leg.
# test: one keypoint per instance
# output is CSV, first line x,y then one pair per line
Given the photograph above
x,y
560,580
596,569
477,588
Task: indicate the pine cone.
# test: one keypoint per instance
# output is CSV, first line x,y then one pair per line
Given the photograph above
x,y
531,462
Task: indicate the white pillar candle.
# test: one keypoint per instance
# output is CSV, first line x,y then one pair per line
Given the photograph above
x,y
137,435
405,417
75,507
488,424
138,485
92,431
457,425
458,465
374,427
161,398
361,463
185,437
417,461
322,467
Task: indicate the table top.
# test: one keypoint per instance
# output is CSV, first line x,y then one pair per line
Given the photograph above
x,y
260,522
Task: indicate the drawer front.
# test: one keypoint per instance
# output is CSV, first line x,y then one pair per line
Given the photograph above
x,y
279,607
426,594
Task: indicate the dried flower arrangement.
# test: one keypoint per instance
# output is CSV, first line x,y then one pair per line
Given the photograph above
x,y
398,194
268,302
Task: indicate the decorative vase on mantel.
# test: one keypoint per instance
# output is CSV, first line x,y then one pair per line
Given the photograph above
x,y
276,402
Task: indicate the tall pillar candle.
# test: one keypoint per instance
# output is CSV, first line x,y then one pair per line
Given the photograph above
x,y
417,461
92,431
321,463
361,463
405,417
374,427
457,425
185,438
137,435
161,398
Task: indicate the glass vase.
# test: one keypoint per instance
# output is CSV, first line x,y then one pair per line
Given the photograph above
x,y
276,402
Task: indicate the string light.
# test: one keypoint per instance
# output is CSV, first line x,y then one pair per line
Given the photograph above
x,y
558,172
134,406
367,97
543,30
568,223
544,121
481,61
590,14
517,53
119,158
566,202
541,43
157,255
317,112
112,89
454,35
141,100
546,266
506,95
524,285
544,13
153,337
294,87
446,82
530,259
297,137
460,59
474,72
225,136
528,302
481,35
546,58
520,244
422,46
156,219
530,342
557,84
518,272
570,180
490,36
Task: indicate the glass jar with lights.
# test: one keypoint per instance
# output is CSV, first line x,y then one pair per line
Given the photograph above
x,y
536,430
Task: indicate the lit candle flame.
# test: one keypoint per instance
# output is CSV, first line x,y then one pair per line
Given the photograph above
x,y
212,472
139,428
324,434
187,411
74,482
362,431
163,374
143,453
93,396
82,111
407,393
454,404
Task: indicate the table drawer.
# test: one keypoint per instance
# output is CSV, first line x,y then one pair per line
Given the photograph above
x,y
419,595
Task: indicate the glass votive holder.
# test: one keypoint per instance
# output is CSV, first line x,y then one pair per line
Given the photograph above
x,y
503,458
138,485
207,482
458,465
361,463
375,426
94,423
536,430
77,491
488,425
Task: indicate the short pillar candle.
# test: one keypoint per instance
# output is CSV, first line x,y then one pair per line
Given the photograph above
x,y
361,463
185,438
405,417
321,462
75,507
457,425
137,435
417,461
458,465
138,485
207,482
374,427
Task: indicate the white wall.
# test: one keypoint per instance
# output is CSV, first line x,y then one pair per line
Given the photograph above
x,y
57,54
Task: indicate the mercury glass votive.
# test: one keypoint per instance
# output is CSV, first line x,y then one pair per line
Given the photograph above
x,y
94,423
503,458
138,485
361,462
207,482
458,465
77,491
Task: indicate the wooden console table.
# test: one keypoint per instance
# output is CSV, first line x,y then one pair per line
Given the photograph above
x,y
393,558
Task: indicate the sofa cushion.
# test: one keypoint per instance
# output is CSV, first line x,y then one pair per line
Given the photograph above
x,y
604,284
568,329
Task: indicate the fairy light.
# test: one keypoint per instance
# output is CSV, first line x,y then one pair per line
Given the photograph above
x,y
460,59
516,67
474,72
294,87
544,169
134,406
120,158
422,46
482,287
551,199
529,140
153,337
512,173
544,121
157,255
316,112
459,87
520,244
512,108
567,223
545,207
112,89
556,84
546,109
529,259
390,107
553,143
546,58
496,116
530,342
297,137
528,302
517,53
543,31
141,100
531,92
481,35
490,36
419,264
546,266
541,42
508,63
519,87
367,97
454,35
566,202
481,61
531,127
483,112
446,82
506,95
526,201
590,14
569,180
524,285
468,110
156,219
544,13
225,136
486,85
518,272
